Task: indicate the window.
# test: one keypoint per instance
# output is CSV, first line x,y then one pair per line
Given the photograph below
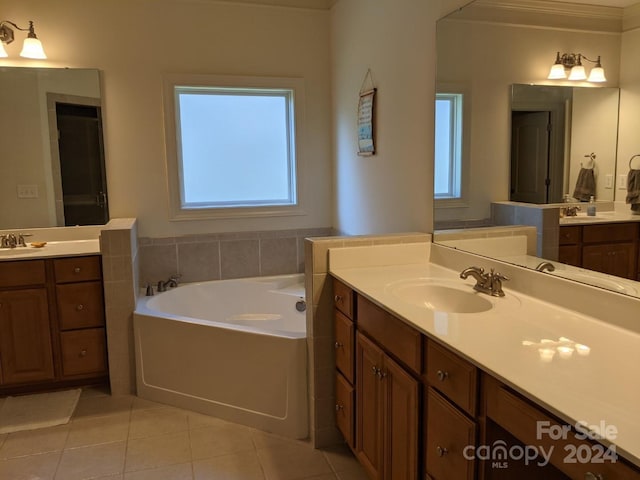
x,y
448,146
232,150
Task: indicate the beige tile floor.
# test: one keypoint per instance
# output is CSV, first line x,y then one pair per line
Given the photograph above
x,y
127,438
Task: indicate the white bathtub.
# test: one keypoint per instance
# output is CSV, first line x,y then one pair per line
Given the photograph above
x,y
235,349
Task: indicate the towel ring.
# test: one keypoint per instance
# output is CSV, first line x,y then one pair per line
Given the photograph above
x,y
592,157
631,160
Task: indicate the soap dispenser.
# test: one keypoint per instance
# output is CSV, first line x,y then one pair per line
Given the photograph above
x,y
591,208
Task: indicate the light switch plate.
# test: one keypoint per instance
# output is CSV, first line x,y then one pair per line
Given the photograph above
x,y
622,182
27,191
608,180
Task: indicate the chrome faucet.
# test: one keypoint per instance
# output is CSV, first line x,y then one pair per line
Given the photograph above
x,y
13,240
548,266
171,283
489,283
570,211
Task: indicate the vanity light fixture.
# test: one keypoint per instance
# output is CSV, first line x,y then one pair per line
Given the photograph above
x,y
31,48
573,61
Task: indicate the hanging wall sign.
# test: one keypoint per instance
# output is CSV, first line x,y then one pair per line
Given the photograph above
x,y
366,105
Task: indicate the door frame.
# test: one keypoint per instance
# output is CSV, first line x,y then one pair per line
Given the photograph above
x,y
56,171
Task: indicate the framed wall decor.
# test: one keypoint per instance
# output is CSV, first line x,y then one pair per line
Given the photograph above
x,y
366,117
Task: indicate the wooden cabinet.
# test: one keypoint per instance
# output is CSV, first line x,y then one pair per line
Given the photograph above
x,y
410,407
25,336
51,324
607,248
387,414
345,360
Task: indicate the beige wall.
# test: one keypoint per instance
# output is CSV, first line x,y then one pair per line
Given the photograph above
x,y
392,190
628,141
133,42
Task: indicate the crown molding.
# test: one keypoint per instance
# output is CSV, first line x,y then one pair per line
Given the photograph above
x,y
631,19
545,13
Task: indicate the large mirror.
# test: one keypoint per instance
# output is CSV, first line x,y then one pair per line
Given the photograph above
x,y
497,55
52,170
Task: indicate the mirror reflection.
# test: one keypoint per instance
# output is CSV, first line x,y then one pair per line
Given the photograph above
x,y
563,142
496,57
52,171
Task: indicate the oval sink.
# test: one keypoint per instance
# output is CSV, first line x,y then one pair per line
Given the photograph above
x,y
439,297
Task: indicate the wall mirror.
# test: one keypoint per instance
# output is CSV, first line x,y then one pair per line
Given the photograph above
x,y
497,55
555,132
52,170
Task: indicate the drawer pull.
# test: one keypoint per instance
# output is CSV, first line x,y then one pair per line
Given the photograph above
x,y
441,451
593,476
83,352
338,345
77,270
442,375
375,370
79,307
339,407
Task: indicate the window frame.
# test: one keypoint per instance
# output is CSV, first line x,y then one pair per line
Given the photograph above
x,y
178,210
456,141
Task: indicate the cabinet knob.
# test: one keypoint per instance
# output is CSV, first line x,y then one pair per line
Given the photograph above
x,y
338,345
375,370
441,451
77,270
339,407
593,476
79,307
83,352
442,375
337,298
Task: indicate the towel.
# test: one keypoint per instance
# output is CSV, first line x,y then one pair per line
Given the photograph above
x,y
585,185
633,190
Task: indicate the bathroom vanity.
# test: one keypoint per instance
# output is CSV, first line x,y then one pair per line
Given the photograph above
x,y
610,247
52,320
452,387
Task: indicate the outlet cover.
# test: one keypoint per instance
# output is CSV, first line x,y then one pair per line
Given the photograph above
x,y
622,182
27,191
608,180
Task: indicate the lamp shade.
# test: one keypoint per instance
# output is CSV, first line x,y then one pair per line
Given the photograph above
x,y
557,72
597,75
3,52
577,73
32,48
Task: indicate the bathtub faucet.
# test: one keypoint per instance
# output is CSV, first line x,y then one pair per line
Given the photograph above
x,y
171,283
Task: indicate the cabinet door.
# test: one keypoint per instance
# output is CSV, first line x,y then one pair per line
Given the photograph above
x,y
345,333
449,432
25,336
344,409
569,254
369,406
401,422
614,259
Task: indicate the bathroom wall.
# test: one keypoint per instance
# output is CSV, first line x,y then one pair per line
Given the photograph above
x,y
393,189
628,143
204,257
135,42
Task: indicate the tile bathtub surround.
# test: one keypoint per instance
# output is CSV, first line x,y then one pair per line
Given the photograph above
x,y
119,249
223,256
320,334
127,438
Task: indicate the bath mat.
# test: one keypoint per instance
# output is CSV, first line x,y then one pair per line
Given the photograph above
x,y
28,412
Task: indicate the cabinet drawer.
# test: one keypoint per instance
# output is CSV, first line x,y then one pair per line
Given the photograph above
x,y
77,269
449,432
84,352
345,399
22,273
453,376
344,345
80,305
610,232
570,235
521,419
343,298
398,338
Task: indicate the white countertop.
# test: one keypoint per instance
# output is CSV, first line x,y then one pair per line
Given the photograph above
x,y
600,386
600,217
52,249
